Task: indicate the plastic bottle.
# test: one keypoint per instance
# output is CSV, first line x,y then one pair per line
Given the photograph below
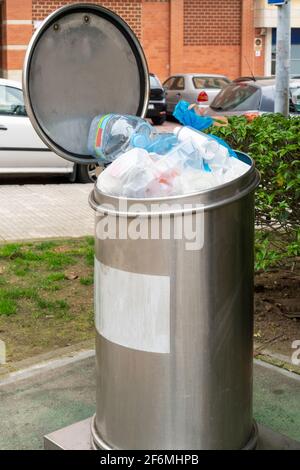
x,y
210,150
157,143
113,134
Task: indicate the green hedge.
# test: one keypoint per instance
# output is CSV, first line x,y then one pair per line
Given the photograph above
x,y
273,141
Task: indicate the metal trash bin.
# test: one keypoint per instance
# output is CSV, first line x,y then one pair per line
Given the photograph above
x,y
173,326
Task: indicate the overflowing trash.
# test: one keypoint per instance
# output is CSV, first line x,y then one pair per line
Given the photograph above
x,y
146,164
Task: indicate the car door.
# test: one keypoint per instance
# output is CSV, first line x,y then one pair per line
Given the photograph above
x,y
21,149
166,86
174,93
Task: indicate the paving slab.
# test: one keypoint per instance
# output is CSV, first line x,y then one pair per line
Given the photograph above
x,y
52,399
36,211
78,437
277,399
40,404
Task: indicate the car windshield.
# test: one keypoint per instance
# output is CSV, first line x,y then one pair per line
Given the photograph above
x,y
210,82
237,95
154,82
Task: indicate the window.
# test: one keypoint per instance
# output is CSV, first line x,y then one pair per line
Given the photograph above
x,y
11,101
221,82
168,83
295,51
178,84
174,83
154,82
210,82
241,96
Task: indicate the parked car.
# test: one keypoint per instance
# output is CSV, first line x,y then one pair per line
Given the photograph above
x,y
248,96
254,78
296,99
157,101
193,87
21,149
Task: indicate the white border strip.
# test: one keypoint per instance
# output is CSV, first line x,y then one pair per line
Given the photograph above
x,y
17,22
287,373
15,47
46,366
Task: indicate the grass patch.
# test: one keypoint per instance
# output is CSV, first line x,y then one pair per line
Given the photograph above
x,y
7,307
47,245
52,305
86,281
89,257
9,250
55,277
41,306
15,293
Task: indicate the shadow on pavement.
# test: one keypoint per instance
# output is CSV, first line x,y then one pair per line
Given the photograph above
x,y
33,179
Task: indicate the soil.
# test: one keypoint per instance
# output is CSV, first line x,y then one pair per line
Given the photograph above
x,y
61,312
277,311
58,311
27,335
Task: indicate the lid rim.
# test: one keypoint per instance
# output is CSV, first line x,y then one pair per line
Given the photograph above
x,y
138,53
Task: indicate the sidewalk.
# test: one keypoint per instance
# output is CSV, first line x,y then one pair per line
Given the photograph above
x,y
35,211
45,211
52,399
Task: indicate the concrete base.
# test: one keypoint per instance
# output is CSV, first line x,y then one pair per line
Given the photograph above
x,y
78,437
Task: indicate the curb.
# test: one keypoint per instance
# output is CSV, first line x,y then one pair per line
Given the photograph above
x,y
70,357
46,362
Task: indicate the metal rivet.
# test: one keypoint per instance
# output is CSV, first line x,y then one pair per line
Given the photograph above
x,y
56,27
86,19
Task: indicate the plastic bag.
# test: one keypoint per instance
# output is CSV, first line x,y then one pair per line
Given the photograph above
x,y
188,117
195,163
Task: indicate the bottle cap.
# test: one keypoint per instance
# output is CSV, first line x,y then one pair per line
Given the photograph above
x,y
140,140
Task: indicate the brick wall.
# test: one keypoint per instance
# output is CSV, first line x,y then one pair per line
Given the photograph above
x,y
212,59
212,36
129,10
212,22
177,35
247,38
155,36
16,31
259,62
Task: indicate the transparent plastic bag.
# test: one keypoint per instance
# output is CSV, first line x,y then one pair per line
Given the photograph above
x,y
182,170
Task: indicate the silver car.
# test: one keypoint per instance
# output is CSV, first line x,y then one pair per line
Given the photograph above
x,y
248,96
193,87
21,149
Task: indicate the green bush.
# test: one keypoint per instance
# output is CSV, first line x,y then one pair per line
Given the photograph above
x,y
273,141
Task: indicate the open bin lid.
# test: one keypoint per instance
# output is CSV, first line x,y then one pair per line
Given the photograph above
x,y
83,61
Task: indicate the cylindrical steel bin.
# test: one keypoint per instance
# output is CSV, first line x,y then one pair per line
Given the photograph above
x,y
174,325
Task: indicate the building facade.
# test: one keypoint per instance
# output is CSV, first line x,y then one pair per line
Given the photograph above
x,y
232,37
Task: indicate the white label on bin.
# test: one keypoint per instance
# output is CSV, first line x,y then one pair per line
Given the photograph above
x,y
132,309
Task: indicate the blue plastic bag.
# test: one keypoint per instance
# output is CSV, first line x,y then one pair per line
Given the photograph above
x,y
188,117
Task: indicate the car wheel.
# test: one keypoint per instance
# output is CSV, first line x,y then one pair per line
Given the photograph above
x,y
88,173
158,121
